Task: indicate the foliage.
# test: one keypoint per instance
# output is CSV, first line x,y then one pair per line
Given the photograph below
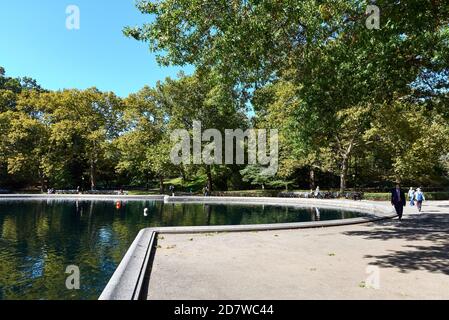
x,y
365,107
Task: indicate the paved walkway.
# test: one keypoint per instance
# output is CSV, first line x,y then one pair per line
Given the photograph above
x,y
406,260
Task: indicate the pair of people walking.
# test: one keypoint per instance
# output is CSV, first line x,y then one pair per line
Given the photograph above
x,y
416,196
399,201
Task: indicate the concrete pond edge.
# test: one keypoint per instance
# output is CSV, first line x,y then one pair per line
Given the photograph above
x,y
128,281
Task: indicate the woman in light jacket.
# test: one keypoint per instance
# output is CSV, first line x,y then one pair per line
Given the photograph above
x,y
420,198
411,196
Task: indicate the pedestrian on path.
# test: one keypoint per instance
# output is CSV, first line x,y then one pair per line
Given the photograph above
x,y
411,196
420,198
398,200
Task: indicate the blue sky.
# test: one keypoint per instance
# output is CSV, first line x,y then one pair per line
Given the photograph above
x,y
35,42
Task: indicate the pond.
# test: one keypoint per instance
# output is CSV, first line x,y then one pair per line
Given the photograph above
x,y
39,239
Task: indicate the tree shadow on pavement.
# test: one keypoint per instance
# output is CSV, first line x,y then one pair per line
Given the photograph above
x,y
433,256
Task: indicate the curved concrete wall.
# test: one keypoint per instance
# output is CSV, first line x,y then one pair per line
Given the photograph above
x,y
126,281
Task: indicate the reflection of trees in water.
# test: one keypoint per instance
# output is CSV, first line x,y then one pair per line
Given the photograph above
x,y
207,209
38,239
79,208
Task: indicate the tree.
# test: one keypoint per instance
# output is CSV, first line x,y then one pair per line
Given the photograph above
x,y
24,146
144,150
200,97
353,122
414,140
256,176
323,48
158,158
81,126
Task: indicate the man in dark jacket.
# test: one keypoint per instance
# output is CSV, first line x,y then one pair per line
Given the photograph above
x,y
398,200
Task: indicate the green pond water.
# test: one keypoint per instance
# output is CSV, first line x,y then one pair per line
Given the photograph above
x,y
40,238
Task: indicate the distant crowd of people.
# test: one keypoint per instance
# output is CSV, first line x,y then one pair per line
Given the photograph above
x,y
206,191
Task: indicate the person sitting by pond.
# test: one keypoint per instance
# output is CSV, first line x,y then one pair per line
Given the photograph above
x,y
419,197
398,200
411,196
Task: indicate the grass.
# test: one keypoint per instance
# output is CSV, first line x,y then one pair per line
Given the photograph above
x,y
142,192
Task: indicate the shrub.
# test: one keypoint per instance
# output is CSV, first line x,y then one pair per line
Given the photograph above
x,y
387,196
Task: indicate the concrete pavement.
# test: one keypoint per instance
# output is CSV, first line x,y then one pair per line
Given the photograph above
x,y
382,260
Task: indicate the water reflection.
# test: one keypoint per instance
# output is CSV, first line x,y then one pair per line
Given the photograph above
x,y
39,239
317,214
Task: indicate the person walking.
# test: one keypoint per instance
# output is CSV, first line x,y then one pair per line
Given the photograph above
x,y
419,196
206,191
411,196
398,200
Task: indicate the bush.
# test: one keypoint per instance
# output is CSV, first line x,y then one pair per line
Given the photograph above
x,y
378,196
387,196
246,193
437,196
367,196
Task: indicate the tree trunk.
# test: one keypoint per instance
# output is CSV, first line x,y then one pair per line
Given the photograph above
x,y
183,174
161,185
312,179
343,174
208,210
209,178
42,181
147,182
345,153
93,178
